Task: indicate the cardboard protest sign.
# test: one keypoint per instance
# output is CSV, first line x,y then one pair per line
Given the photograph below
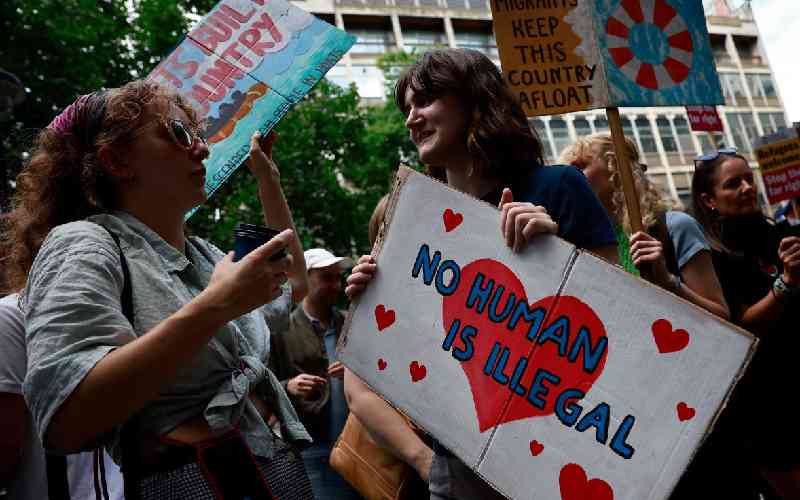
x,y
540,370
570,55
243,66
778,159
704,118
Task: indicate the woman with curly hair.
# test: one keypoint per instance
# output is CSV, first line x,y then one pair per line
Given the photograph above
x,y
673,242
140,338
470,132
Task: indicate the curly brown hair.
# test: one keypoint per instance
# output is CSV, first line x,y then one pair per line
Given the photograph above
x,y
499,137
65,180
652,201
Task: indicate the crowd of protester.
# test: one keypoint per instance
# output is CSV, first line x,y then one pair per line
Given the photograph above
x,y
126,342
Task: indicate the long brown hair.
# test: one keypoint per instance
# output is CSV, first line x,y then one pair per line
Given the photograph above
x,y
703,182
499,138
65,180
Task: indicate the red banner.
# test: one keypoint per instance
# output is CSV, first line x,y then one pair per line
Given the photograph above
x,y
704,118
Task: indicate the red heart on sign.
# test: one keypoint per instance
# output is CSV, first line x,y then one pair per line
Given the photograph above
x,y
667,339
381,364
417,370
490,397
451,220
384,317
536,447
574,485
685,412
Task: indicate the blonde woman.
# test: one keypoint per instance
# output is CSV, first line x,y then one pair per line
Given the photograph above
x,y
673,242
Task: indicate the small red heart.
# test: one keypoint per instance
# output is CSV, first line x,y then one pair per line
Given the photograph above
x,y
667,339
384,317
536,447
685,412
381,364
574,485
451,220
417,370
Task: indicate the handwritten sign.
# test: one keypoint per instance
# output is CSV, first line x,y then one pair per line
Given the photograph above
x,y
524,365
243,66
704,118
779,162
571,55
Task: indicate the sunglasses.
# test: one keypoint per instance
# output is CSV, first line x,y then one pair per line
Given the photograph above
x,y
181,134
713,155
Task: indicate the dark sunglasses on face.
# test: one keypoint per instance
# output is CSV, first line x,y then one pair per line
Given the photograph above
x,y
180,133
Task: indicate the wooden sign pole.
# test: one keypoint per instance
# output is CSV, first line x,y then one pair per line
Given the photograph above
x,y
628,184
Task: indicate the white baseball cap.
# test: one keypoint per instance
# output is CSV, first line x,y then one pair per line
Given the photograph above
x,y
319,257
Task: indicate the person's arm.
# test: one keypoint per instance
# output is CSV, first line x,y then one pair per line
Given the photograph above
x,y
14,422
761,316
277,214
126,375
386,425
701,285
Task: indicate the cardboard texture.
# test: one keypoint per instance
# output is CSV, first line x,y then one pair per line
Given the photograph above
x,y
570,55
778,157
243,66
560,369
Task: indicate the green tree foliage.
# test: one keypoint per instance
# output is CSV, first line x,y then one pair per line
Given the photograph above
x,y
336,155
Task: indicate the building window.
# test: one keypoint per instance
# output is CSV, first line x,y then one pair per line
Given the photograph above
x,y
482,42
338,76
754,84
369,81
539,127
766,123
423,40
667,138
601,125
779,120
685,138
770,93
739,130
708,146
582,127
732,89
371,41
561,139
647,141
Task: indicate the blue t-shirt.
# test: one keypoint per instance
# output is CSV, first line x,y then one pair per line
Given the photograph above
x,y
566,195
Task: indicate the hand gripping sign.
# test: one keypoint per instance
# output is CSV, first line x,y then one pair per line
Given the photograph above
x,y
551,373
571,55
243,66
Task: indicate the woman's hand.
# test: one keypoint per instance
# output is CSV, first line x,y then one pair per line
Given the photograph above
x,y
254,281
305,385
646,249
360,277
520,221
789,253
260,161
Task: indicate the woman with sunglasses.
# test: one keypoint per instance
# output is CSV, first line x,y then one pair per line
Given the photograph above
x,y
471,132
673,243
140,338
758,264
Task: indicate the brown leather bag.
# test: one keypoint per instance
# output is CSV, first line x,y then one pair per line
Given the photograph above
x,y
370,469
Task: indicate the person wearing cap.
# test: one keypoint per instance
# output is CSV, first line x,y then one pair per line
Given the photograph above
x,y
304,360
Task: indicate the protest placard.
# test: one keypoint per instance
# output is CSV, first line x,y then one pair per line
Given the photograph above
x,y
704,118
547,372
778,157
243,66
570,55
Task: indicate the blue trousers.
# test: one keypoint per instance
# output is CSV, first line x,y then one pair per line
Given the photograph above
x,y
326,482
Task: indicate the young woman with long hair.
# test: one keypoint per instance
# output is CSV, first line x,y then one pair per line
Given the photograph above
x,y
140,338
758,264
673,243
471,133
